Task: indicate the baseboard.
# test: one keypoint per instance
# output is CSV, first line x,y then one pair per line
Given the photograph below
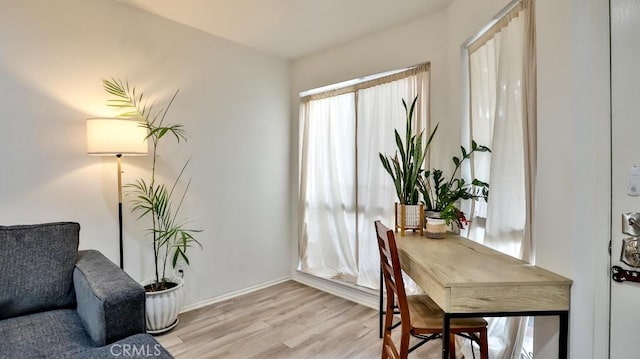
x,y
364,296
233,294
367,297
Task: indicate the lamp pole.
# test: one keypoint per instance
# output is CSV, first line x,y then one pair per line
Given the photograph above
x,y
119,160
108,136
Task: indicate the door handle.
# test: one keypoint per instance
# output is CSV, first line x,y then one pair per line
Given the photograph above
x,y
631,223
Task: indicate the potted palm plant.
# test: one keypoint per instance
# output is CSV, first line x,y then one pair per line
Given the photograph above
x,y
406,171
159,203
441,195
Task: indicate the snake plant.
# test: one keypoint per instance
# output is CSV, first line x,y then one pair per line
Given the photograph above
x,y
406,170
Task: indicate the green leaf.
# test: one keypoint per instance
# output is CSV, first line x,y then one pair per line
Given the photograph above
x,y
400,146
405,168
185,258
153,200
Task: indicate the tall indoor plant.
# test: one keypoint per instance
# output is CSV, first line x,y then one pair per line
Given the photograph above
x,y
406,170
158,202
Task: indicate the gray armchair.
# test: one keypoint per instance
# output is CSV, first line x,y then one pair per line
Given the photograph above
x,y
56,302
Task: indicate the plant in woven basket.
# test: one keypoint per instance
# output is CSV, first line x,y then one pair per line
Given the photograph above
x,y
442,195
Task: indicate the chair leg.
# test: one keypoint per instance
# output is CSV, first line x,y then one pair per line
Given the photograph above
x,y
404,345
484,345
381,314
452,346
388,323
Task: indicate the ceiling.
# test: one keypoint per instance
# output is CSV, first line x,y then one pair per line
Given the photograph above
x,y
290,29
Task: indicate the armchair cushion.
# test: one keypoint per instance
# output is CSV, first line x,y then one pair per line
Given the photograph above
x,y
37,262
110,304
59,334
43,335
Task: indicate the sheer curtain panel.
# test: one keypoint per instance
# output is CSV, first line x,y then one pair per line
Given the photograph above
x,y
328,200
502,114
380,112
343,186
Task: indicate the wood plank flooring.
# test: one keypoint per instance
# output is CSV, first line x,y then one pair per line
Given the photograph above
x,y
288,320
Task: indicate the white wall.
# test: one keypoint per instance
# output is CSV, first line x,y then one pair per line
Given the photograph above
x,y
572,200
233,101
554,157
574,166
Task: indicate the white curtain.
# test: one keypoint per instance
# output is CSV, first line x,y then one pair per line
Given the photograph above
x,y
502,97
343,186
380,112
327,238
506,208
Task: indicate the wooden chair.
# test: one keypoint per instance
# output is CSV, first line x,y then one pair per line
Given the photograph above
x,y
420,316
389,350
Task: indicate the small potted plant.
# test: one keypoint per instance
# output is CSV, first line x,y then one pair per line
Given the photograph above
x,y
160,204
441,195
406,171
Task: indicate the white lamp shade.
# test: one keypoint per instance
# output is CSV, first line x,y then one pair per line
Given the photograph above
x,y
116,136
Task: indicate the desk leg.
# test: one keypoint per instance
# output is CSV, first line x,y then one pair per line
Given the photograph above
x,y
564,335
446,329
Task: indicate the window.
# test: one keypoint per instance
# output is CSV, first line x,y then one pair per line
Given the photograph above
x,y
343,187
502,114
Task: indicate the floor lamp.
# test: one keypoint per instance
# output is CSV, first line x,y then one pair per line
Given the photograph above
x,y
116,137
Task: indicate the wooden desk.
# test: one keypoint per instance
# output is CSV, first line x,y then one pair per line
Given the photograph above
x,y
467,279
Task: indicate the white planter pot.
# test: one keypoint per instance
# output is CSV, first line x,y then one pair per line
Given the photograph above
x,y
162,307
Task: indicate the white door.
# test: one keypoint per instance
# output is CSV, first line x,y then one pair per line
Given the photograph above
x,y
625,101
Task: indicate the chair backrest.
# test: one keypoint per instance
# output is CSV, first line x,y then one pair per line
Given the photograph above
x,y
389,350
391,271
36,267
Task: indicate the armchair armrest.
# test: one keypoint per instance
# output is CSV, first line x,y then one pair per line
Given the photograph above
x,y
111,305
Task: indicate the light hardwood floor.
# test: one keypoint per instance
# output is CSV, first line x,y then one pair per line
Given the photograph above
x,y
288,320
